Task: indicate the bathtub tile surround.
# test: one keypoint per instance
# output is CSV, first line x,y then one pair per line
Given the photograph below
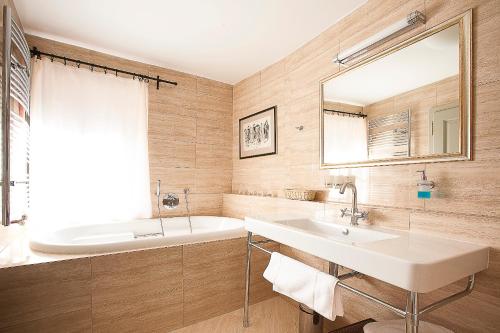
x,y
465,205
141,291
189,131
137,291
50,297
214,279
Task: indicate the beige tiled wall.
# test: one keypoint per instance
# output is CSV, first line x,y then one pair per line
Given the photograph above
x,y
466,205
190,130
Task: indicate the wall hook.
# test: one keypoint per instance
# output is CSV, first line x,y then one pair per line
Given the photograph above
x,y
299,128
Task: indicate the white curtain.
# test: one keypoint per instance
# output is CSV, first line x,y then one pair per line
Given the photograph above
x,y
89,151
345,139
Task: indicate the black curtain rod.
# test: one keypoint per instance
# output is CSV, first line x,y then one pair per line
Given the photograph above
x,y
36,53
359,114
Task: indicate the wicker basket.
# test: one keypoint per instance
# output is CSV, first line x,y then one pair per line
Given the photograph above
x,y
298,194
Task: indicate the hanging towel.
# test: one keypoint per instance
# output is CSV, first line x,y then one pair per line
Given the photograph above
x,y
328,296
307,285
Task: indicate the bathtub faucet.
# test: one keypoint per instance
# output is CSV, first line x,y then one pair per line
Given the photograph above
x,y
186,192
158,194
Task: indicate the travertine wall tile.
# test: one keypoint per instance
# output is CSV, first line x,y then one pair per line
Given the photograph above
x,y
469,188
239,206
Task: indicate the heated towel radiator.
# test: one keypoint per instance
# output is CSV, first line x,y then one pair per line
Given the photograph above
x,y
15,120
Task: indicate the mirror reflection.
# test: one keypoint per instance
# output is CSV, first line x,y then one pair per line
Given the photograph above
x,y
404,104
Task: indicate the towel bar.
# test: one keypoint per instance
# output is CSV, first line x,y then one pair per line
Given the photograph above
x,y
411,313
261,248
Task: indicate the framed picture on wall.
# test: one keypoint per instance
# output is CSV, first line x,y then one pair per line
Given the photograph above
x,y
258,134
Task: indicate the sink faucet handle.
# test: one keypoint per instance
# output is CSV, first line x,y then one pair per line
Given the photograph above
x,y
343,212
364,215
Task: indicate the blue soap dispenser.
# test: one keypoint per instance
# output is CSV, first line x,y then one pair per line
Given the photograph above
x,y
424,186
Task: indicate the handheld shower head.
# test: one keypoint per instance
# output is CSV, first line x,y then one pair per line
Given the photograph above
x,y
158,188
186,192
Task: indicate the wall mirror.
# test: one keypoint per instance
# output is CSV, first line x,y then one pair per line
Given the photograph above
x,y
408,104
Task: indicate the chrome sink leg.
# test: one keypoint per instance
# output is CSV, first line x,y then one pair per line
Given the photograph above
x,y
411,312
333,269
246,322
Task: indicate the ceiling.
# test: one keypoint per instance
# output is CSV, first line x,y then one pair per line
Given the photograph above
x,y
430,60
224,40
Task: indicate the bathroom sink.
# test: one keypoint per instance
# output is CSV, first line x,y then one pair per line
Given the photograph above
x,y
412,261
337,232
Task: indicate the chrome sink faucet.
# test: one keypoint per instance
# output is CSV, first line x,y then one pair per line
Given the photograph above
x,y
353,213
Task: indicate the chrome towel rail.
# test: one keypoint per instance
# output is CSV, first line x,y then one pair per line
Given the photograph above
x,y
20,42
390,135
411,313
451,298
261,248
6,63
16,85
388,306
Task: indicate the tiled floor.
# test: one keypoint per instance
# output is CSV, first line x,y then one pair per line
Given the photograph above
x,y
271,316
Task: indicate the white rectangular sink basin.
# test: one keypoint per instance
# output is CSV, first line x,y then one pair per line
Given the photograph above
x,y
412,261
337,232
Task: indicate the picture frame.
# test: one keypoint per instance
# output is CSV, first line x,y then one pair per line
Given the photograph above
x,y
257,134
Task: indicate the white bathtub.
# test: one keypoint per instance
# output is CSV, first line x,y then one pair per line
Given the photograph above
x,y
137,234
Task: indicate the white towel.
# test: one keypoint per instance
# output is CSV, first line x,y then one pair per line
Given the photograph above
x,y
307,285
328,296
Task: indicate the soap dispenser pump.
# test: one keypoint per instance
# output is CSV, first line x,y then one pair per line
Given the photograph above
x,y
424,186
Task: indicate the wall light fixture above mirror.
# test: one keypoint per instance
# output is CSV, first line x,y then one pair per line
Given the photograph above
x,y
408,104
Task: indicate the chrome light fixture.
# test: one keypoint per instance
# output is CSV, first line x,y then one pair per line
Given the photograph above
x,y
411,21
